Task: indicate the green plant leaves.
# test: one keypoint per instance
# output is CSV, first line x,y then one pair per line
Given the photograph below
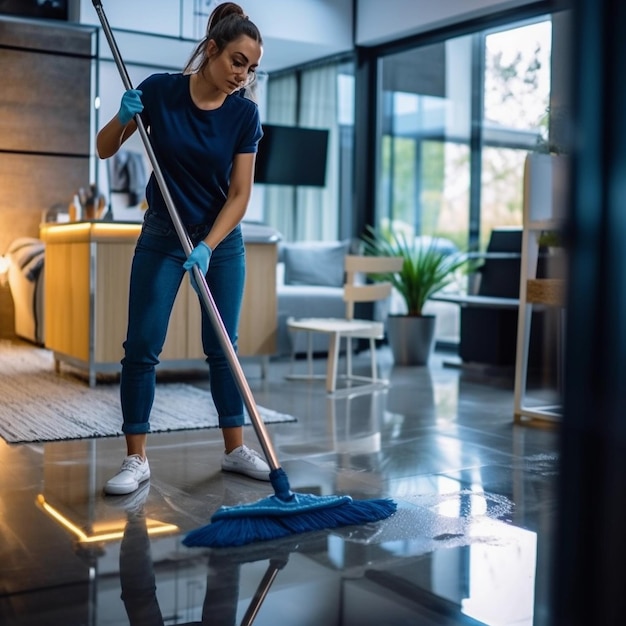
x,y
425,270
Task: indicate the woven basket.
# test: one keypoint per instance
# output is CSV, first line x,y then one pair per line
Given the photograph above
x,y
549,291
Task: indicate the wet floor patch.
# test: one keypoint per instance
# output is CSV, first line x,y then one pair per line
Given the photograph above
x,y
541,464
419,526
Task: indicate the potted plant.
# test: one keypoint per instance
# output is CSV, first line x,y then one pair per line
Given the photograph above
x,y
427,268
550,239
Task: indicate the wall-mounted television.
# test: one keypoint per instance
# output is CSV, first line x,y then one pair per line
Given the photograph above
x,y
52,9
292,155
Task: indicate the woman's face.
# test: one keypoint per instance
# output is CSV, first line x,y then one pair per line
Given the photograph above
x,y
234,67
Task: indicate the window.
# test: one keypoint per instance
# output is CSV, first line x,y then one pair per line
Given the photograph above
x,y
515,120
425,144
428,109
456,120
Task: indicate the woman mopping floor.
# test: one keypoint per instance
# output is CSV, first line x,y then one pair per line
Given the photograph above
x,y
204,135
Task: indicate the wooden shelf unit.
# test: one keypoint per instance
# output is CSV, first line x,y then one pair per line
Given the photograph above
x,y
545,180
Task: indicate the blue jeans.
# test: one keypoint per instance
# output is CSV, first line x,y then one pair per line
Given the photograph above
x,y
156,275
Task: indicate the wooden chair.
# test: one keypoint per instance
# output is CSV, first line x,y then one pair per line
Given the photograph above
x,y
355,290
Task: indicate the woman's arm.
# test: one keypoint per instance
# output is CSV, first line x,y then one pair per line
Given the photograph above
x,y
236,204
122,126
112,136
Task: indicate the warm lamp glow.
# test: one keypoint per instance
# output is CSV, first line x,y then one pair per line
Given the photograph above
x,y
4,265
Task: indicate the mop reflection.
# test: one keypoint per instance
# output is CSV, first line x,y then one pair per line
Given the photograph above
x,y
220,606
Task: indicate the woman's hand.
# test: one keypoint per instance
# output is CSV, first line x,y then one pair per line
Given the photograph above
x,y
129,107
199,257
121,126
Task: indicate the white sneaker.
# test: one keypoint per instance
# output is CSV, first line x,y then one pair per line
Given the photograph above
x,y
134,470
244,460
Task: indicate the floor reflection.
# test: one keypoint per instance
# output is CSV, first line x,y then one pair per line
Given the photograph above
x,y
471,566
470,542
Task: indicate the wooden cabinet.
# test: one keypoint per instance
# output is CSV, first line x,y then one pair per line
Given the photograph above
x,y
86,300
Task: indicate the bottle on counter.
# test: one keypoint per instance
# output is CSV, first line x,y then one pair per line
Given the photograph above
x,y
93,203
75,209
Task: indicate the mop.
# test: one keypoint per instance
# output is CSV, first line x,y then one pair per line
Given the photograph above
x,y
285,512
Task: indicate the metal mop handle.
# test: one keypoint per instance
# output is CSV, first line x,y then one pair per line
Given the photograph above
x,y
205,293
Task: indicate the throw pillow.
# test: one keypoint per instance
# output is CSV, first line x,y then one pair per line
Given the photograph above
x,y
315,262
27,254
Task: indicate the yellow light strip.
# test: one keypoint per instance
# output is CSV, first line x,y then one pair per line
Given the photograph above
x,y
67,524
82,537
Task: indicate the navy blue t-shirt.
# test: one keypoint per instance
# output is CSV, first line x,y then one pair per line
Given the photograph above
x,y
194,148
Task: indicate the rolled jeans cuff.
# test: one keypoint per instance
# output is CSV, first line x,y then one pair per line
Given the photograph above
x,y
231,421
130,428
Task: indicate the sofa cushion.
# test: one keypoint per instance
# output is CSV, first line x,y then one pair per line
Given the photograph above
x,y
315,262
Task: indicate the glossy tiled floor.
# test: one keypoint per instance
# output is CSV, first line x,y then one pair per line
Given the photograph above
x,y
470,543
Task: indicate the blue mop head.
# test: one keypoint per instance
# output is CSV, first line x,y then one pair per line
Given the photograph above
x,y
283,514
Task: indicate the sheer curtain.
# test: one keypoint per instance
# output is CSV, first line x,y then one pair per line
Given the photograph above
x,y
306,212
279,201
317,207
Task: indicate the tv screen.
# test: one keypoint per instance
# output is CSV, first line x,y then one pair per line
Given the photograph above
x,y
54,9
292,155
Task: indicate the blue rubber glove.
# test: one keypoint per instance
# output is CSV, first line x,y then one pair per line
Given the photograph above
x,y
131,105
200,257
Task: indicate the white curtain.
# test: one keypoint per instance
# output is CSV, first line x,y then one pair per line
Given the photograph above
x,y
279,201
317,207
306,213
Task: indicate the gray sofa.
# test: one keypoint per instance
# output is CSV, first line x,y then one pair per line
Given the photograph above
x,y
309,283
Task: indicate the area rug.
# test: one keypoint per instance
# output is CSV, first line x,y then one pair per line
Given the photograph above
x,y
37,404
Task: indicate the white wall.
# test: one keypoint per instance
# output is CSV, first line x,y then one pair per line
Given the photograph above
x,y
379,22
162,17
294,31
297,31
